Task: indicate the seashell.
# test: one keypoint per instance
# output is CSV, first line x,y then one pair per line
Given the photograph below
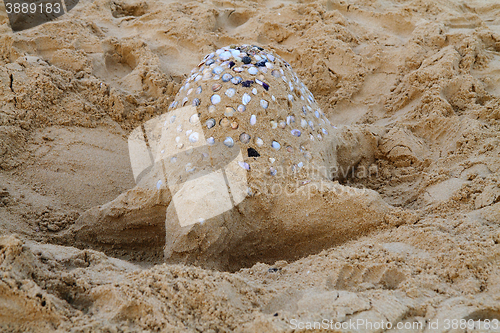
x,y
210,141
189,132
180,145
316,113
311,137
190,168
257,57
273,98
270,57
158,184
210,123
264,104
225,122
290,98
265,86
236,80
282,124
272,160
276,74
226,77
229,111
263,69
198,90
235,53
269,65
276,145
184,101
311,124
290,120
216,87
209,62
196,102
229,142
194,137
253,71
296,132
253,153
246,59
230,92
234,125
325,132
241,108
254,91
245,138
212,108
253,120
218,70
246,99
259,142
198,78
173,105
215,99
289,149
244,165
274,124
225,55
303,123
238,69
247,83
272,171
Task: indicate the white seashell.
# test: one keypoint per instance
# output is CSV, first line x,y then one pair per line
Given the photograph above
x,y
230,92
276,145
194,118
215,99
194,137
264,104
229,142
253,119
225,55
253,70
210,141
246,99
259,142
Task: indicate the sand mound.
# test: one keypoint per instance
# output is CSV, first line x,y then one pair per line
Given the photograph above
x,y
72,90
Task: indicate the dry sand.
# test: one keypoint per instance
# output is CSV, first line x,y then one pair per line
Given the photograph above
x,y
72,90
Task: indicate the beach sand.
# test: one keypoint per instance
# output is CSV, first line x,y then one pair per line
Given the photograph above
x,y
71,90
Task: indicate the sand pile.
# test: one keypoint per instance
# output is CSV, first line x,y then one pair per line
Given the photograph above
x,y
72,90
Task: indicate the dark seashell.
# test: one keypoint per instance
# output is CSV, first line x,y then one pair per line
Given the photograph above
x,y
246,60
196,102
261,63
253,153
231,64
265,85
247,83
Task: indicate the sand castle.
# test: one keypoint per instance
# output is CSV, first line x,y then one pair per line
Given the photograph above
x,y
243,163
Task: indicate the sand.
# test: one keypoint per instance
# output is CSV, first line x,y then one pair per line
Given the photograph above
x,y
426,72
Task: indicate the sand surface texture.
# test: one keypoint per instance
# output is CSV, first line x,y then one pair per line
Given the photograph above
x,y
423,75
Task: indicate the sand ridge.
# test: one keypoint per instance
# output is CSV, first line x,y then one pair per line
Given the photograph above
x,y
71,91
